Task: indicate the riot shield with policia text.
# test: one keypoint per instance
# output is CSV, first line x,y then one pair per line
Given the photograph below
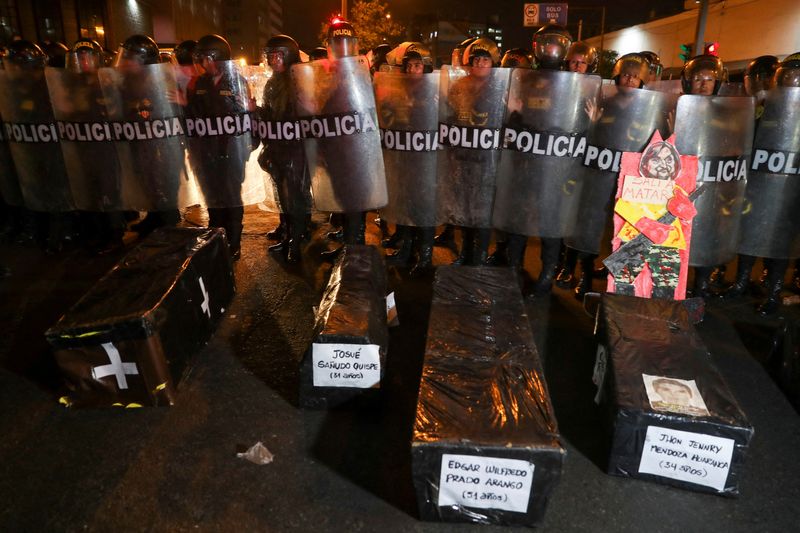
x,y
545,139
339,124
771,214
472,104
148,131
627,121
90,155
9,182
719,130
408,113
32,135
219,137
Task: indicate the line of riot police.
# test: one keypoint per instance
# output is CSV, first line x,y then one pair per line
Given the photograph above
x,y
524,152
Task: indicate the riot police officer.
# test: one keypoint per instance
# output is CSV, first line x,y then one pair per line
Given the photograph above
x,y
655,65
284,159
581,58
320,52
788,75
153,165
550,46
219,161
702,75
184,57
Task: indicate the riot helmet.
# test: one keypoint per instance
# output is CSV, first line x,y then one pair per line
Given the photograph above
x,y
788,73
342,39
320,52
410,51
759,76
281,52
24,55
379,57
655,64
516,58
702,75
482,47
457,58
183,53
582,58
138,49
56,54
631,70
212,47
550,45
413,63
86,56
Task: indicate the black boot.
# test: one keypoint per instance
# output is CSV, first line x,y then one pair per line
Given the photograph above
x,y
424,241
446,237
500,255
516,250
403,254
355,227
467,247
483,236
702,282
744,266
392,241
777,270
278,233
550,250
566,276
585,281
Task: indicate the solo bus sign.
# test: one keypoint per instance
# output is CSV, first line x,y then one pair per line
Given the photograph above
x,y
535,15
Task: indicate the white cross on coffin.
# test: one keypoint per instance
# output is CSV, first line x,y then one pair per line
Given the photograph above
x,y
206,305
117,368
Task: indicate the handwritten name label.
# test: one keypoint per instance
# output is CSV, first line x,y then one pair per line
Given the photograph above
x,y
485,482
691,457
346,365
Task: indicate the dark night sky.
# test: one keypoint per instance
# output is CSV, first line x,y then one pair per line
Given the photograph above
x,y
302,18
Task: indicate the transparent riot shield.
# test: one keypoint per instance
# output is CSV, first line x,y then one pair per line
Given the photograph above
x,y
719,130
472,104
771,214
408,112
546,126
336,106
147,124
626,122
32,136
9,182
219,137
90,154
257,77
665,86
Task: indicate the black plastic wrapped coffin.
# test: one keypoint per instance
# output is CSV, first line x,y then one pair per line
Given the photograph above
x,y
127,340
673,417
485,447
348,354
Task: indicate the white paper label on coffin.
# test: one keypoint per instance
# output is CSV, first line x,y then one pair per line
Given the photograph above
x,y
485,482
346,365
691,457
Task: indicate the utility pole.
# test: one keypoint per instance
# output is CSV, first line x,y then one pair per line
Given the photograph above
x,y
344,9
580,27
700,31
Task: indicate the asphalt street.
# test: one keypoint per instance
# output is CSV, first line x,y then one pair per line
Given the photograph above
x,y
348,469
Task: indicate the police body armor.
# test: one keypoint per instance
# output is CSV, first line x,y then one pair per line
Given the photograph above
x,y
9,182
629,118
282,155
538,185
148,132
90,154
219,130
408,112
719,130
771,214
471,111
338,121
32,136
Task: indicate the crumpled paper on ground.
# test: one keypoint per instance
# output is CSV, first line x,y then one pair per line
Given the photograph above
x,y
257,454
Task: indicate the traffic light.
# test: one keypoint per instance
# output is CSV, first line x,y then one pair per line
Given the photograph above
x,y
711,49
686,51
